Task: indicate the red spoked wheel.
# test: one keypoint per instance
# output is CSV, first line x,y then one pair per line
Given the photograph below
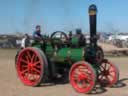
x,y
82,77
30,66
108,74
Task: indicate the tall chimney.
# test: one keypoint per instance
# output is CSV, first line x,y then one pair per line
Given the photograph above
x,y
92,20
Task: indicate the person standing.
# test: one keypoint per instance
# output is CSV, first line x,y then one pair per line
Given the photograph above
x,y
25,41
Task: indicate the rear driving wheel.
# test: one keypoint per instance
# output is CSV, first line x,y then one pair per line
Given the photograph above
x,y
31,66
108,74
82,77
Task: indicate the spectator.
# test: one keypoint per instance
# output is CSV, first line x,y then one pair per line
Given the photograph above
x,y
25,41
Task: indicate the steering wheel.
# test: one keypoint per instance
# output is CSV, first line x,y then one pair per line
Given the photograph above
x,y
59,38
59,35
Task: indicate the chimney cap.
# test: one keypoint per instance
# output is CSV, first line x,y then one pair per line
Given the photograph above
x,y
93,8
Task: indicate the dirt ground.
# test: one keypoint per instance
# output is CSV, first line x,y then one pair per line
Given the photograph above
x,y
10,85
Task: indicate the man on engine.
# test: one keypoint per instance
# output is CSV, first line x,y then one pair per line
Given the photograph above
x,y
38,37
37,33
81,38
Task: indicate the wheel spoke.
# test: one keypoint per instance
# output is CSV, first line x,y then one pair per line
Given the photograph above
x,y
24,71
28,54
78,80
27,58
37,62
32,77
111,75
100,70
89,73
109,67
81,69
27,75
36,70
102,77
35,77
38,67
91,77
89,80
33,57
102,67
84,84
111,71
105,66
75,77
107,78
22,60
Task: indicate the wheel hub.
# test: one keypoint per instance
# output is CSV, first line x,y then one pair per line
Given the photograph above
x,y
30,66
82,76
106,72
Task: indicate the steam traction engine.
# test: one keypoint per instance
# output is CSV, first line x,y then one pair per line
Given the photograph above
x,y
84,63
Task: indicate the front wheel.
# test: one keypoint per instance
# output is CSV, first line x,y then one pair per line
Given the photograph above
x,y
108,73
82,77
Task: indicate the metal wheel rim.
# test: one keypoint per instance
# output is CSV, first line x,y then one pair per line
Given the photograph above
x,y
87,78
108,74
29,66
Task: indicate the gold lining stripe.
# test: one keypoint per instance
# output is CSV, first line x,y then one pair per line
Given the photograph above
x,y
92,12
